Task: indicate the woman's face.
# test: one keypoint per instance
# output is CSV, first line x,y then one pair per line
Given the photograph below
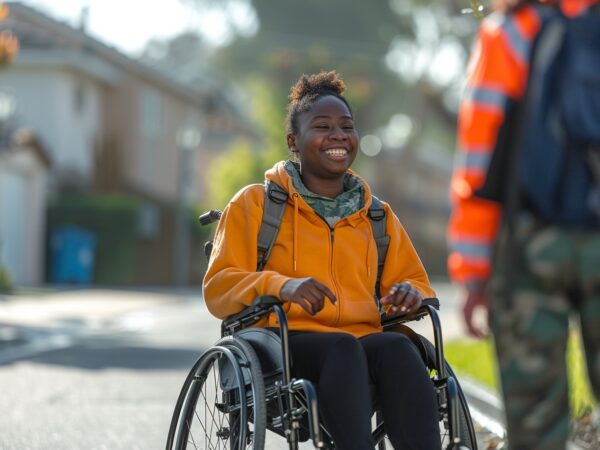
x,y
326,141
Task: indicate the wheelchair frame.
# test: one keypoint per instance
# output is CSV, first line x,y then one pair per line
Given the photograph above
x,y
296,399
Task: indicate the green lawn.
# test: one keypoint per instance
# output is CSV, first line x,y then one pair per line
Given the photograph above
x,y
476,359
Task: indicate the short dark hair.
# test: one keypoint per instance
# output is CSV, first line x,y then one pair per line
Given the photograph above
x,y
308,89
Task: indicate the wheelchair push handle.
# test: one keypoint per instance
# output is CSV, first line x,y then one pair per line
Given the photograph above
x,y
210,217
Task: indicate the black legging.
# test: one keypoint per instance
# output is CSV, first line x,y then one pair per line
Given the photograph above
x,y
342,367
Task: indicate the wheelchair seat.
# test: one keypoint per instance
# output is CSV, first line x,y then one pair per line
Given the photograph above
x,y
267,345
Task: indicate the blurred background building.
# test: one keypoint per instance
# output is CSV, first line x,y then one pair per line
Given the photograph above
x,y
130,147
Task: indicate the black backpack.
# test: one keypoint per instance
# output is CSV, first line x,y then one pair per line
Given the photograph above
x,y
275,203
550,141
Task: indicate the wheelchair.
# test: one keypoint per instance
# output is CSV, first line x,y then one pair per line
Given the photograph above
x,y
241,388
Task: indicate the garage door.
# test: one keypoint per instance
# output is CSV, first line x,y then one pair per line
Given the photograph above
x,y
13,223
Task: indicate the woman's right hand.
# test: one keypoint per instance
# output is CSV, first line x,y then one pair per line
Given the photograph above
x,y
308,293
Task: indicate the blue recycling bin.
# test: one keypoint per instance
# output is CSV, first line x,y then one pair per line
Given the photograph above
x,y
72,252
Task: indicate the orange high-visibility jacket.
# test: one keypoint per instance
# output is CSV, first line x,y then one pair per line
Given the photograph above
x,y
344,259
497,73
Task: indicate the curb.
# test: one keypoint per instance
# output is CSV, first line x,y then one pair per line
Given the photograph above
x,y
485,406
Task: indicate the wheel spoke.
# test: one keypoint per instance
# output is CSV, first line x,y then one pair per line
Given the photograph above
x,y
217,412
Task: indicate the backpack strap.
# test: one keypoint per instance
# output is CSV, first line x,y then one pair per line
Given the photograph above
x,y
275,202
377,217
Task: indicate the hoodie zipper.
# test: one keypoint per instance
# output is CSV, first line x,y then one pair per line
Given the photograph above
x,y
336,291
338,303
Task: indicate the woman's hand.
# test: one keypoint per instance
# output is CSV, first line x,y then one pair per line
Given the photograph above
x,y
403,298
308,293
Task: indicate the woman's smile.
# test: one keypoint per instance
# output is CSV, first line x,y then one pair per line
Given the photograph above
x,y
337,154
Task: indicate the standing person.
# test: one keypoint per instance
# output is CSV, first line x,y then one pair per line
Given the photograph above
x,y
323,266
546,268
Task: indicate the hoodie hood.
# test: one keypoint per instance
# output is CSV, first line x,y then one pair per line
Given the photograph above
x,y
280,175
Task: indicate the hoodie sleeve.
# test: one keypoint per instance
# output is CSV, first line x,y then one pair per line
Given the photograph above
x,y
402,262
231,281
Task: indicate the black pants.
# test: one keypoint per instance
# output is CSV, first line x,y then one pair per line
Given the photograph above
x,y
342,367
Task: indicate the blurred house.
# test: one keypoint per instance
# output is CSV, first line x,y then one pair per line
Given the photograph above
x,y
415,182
110,124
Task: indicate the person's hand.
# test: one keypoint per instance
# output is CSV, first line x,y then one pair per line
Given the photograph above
x,y
504,5
403,298
308,293
476,299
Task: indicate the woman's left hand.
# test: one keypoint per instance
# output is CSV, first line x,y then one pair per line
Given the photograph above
x,y
403,298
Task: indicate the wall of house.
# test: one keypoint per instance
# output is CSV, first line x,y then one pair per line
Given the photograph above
x,y
144,121
63,107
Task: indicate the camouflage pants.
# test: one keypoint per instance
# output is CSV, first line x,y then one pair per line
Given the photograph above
x,y
555,278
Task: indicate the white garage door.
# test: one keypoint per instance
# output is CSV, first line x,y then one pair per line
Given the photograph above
x,y
13,223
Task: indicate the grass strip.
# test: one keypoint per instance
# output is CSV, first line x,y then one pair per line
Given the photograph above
x,y
476,359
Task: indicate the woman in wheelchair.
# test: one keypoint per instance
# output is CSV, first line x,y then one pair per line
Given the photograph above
x,y
324,267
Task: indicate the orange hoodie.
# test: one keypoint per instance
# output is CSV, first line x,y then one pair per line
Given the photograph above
x,y
344,259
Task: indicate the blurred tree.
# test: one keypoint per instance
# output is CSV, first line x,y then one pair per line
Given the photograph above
x,y
243,164
379,47
402,58
9,44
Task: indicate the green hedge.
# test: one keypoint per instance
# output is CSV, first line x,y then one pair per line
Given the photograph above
x,y
112,219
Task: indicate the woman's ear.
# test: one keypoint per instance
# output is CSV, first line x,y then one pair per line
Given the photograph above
x,y
291,142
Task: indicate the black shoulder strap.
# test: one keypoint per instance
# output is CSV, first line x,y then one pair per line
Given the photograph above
x,y
382,240
275,203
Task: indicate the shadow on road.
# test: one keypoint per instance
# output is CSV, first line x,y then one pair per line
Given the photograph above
x,y
120,355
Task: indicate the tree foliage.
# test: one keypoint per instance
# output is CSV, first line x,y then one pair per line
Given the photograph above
x,y
246,163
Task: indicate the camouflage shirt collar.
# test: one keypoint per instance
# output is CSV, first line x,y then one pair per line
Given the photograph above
x,y
331,209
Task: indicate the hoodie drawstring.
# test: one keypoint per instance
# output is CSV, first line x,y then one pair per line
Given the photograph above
x,y
370,243
295,251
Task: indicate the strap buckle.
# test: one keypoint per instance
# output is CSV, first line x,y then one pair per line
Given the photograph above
x,y
279,196
376,214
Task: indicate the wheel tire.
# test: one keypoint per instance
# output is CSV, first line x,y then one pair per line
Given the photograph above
x,y
202,420
465,427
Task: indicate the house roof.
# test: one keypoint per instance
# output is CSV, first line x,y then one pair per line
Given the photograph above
x,y
39,33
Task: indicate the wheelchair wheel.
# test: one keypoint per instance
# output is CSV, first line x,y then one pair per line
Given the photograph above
x,y
465,426
222,402
466,430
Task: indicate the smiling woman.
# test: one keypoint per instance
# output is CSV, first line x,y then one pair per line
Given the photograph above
x,y
324,267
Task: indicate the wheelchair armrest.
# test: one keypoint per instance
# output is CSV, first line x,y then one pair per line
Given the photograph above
x,y
390,321
260,307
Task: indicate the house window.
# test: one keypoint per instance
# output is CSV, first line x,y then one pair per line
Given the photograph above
x,y
79,98
151,113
